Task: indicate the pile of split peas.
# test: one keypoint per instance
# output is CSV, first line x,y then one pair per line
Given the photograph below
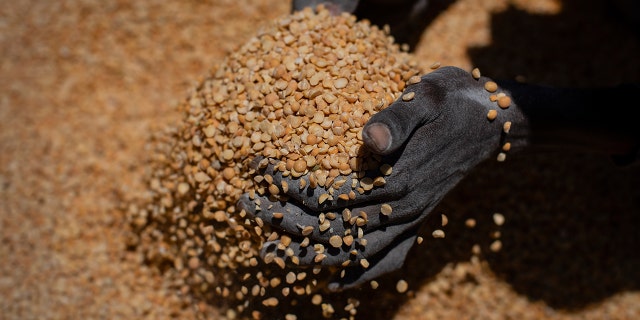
x,y
297,94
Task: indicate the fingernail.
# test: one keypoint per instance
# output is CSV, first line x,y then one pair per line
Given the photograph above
x,y
378,136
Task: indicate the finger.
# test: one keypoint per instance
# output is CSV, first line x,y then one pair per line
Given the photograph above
x,y
353,222
388,129
283,215
323,193
356,221
341,250
296,219
420,102
317,193
385,262
304,252
378,214
382,239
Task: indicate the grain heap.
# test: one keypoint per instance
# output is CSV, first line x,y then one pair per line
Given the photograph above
x,y
298,93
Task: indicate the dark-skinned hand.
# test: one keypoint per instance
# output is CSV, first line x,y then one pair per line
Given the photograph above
x,y
430,141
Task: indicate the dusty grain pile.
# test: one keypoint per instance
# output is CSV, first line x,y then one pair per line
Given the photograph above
x,y
298,93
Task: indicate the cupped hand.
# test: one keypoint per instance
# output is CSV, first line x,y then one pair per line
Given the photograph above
x,y
428,140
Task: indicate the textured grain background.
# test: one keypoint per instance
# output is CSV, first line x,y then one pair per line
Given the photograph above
x,y
84,82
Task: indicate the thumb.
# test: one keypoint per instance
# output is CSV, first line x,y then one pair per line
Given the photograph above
x,y
388,129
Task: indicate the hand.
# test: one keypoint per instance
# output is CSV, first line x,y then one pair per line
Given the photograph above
x,y
430,141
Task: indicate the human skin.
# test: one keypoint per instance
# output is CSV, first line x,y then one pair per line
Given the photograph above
x,y
432,142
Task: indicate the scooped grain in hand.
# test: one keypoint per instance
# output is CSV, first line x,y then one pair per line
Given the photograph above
x,y
298,94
